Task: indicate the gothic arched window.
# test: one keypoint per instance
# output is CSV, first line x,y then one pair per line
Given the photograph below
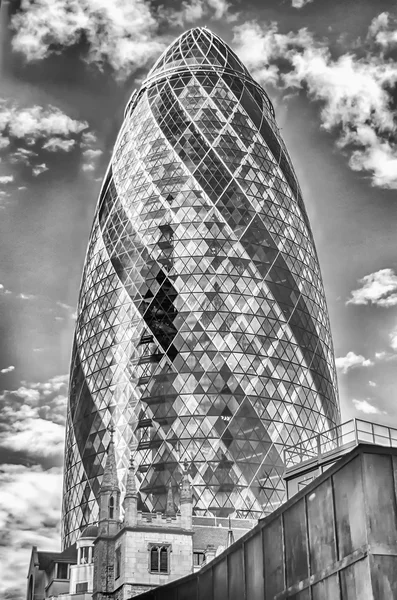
x,y
154,559
163,560
111,507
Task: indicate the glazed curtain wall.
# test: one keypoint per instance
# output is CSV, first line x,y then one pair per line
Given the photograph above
x,y
202,328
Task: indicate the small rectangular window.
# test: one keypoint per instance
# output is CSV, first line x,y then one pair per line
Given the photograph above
x,y
81,587
198,559
118,562
62,571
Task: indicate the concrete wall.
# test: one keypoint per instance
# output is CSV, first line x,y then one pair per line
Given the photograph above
x,y
334,540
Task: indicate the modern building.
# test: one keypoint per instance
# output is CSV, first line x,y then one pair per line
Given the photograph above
x,y
202,330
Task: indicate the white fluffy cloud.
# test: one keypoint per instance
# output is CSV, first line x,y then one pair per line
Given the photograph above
x,y
30,500
55,143
47,128
125,34
355,92
300,3
7,369
33,418
122,33
90,153
4,179
195,10
260,46
39,169
379,288
32,426
366,407
383,30
37,122
352,360
89,157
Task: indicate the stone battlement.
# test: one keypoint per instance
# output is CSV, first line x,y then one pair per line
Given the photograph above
x,y
158,519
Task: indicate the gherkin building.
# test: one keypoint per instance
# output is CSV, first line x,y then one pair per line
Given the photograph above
x,y
202,329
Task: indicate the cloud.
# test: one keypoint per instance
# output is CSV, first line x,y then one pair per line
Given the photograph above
x,y
351,361
261,46
366,407
7,369
46,128
22,156
4,142
30,499
385,356
124,34
355,91
32,427
64,306
33,418
393,339
6,179
88,138
39,169
36,122
372,384
40,437
26,296
121,33
91,153
195,10
300,3
383,31
379,288
54,144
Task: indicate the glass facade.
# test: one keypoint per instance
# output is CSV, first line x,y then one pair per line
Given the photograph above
x,y
202,330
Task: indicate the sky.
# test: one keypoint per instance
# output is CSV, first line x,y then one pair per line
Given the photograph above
x,y
67,69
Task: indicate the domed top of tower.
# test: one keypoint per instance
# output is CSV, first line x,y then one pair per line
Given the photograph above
x,y
198,48
90,532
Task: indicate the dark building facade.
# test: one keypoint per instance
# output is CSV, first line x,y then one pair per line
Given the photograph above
x,y
202,329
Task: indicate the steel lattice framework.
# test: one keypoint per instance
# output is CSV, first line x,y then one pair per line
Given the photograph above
x,y
202,328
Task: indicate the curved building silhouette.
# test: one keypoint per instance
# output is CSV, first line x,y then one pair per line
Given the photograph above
x,y
202,330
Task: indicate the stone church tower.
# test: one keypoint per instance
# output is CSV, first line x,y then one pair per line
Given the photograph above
x,y
144,550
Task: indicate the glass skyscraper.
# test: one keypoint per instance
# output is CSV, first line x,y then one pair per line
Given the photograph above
x,y
202,328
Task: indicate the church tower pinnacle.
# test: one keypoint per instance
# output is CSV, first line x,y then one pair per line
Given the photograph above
x,y
109,494
131,498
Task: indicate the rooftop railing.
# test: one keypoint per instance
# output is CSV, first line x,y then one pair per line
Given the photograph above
x,y
339,440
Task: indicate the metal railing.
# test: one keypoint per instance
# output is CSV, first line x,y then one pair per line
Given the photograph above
x,y
340,439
